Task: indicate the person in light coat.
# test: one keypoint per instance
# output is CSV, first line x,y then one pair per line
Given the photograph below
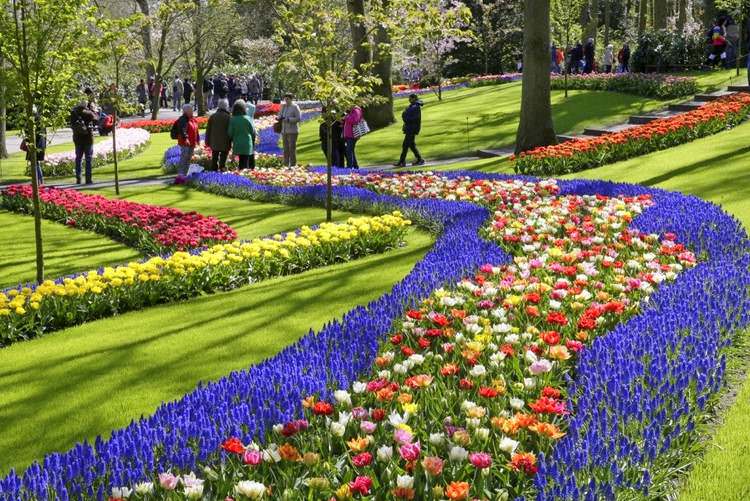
x,y
608,58
289,116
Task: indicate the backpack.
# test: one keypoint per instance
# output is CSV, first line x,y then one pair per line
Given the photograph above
x,y
174,132
79,126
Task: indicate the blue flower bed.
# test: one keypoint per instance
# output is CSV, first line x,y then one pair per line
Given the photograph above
x,y
634,395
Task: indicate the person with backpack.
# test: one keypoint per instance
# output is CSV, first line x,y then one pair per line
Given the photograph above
x,y
352,118
82,122
718,44
188,91
40,143
242,133
217,136
185,131
412,118
289,117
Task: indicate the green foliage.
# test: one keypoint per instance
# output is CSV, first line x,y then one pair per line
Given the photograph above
x,y
565,21
661,51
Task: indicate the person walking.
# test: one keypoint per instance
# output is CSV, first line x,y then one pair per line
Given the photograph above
x,y
338,153
208,93
188,137
217,136
142,92
255,89
178,88
350,120
412,118
188,92
163,95
242,133
608,58
554,67
289,116
82,123
589,53
625,62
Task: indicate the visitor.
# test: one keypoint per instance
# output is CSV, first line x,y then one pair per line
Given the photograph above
x,y
560,58
243,89
234,89
41,146
255,88
732,34
217,136
412,118
178,88
338,147
555,67
289,116
608,58
142,92
717,45
163,95
188,137
208,93
352,118
188,91
589,52
576,56
221,88
82,123
242,134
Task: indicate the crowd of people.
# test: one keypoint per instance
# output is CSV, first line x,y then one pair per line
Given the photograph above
x,y
581,59
248,88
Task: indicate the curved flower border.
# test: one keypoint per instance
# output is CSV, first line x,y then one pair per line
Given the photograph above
x,y
596,439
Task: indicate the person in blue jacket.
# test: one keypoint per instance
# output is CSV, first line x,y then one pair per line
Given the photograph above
x,y
412,118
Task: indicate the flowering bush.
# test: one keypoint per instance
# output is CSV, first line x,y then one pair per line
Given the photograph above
x,y
517,334
149,228
642,84
580,154
27,312
130,142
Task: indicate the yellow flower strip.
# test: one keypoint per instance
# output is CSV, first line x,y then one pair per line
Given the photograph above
x,y
26,312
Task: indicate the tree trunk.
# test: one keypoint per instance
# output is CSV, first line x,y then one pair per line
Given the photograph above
x,y
709,13
200,72
660,14
535,128
356,9
642,12
593,26
607,21
146,37
381,114
329,169
681,15
3,120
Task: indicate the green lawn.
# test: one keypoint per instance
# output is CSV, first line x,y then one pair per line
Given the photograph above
x,y
146,164
88,380
492,114
69,250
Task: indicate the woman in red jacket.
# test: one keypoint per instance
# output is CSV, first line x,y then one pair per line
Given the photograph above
x,y
188,137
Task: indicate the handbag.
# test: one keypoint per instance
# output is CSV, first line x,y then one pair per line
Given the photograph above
x,y
24,146
277,127
360,129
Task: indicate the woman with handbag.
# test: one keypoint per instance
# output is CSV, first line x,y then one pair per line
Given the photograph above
x,y
352,132
288,125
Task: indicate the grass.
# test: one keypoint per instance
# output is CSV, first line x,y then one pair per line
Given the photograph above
x,y
66,250
88,380
69,250
492,114
146,164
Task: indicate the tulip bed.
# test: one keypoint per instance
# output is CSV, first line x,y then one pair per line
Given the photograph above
x,y
28,312
165,125
580,154
641,84
149,228
130,142
577,369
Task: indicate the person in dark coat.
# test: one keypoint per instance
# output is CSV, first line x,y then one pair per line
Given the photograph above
x,y
338,146
41,146
412,117
187,92
217,137
82,122
589,52
221,88
208,92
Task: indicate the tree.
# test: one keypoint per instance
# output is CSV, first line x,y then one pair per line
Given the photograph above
x,y
660,14
166,22
495,25
565,28
46,44
214,24
642,17
380,113
535,127
7,89
145,8
310,32
681,15
435,28
592,28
